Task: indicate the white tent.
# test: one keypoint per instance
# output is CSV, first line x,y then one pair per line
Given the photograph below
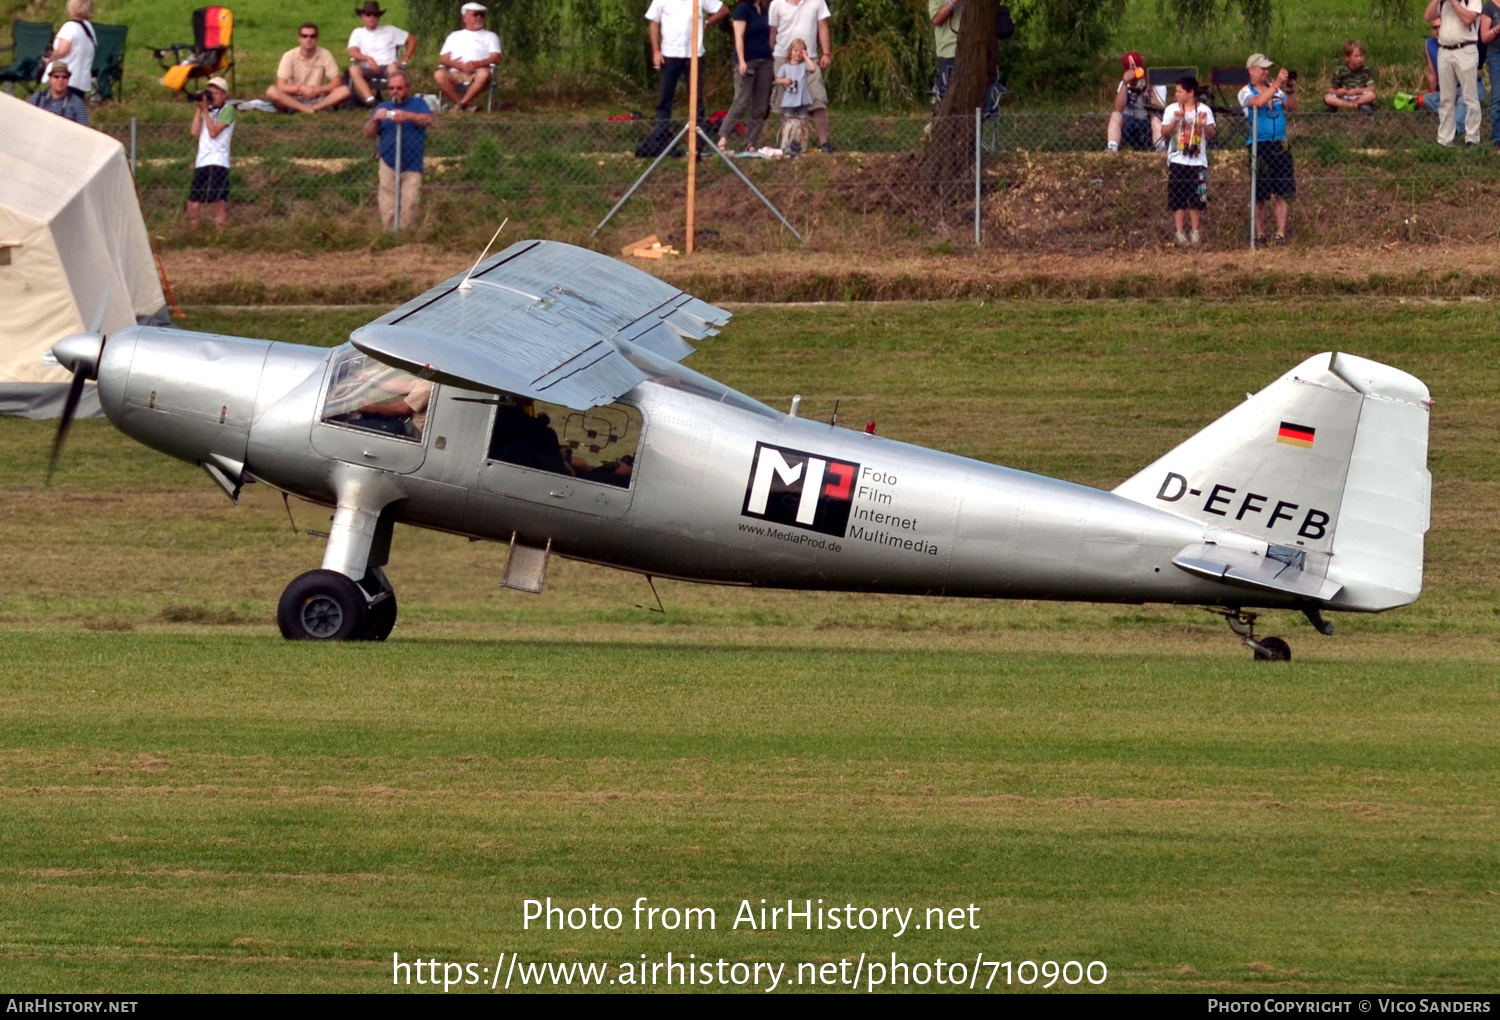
x,y
72,241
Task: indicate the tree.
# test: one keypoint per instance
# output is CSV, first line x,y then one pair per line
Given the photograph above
x,y
948,158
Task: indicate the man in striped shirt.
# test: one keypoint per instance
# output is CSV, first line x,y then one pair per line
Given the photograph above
x,y
58,99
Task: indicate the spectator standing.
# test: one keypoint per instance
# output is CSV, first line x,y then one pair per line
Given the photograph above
x,y
375,50
213,126
1189,127
1353,85
753,72
1432,99
795,108
307,79
58,98
414,116
671,28
1457,65
806,20
469,58
1266,105
1489,31
945,17
75,45
1136,120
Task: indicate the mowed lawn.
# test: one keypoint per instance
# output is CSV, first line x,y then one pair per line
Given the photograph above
x,y
191,803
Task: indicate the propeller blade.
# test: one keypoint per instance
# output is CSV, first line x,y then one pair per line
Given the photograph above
x,y
109,286
70,408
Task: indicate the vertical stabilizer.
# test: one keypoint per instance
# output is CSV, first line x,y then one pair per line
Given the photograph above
x,y
1329,461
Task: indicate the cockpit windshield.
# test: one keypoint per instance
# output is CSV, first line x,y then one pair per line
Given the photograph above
x,y
367,395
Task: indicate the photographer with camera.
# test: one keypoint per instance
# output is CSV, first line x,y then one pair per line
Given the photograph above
x,y
213,125
1266,105
1457,66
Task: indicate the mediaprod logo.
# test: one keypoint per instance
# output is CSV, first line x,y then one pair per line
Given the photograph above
x,y
800,489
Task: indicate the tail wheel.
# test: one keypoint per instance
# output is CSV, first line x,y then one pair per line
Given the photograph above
x,y
1273,649
324,605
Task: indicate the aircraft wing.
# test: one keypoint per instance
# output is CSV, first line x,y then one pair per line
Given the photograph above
x,y
1281,570
544,320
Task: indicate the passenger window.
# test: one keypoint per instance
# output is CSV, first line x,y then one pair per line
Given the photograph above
x,y
367,395
597,445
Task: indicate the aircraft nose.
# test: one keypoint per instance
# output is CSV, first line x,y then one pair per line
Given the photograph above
x,y
79,353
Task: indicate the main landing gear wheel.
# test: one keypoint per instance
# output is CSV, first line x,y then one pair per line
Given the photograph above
x,y
1273,649
324,605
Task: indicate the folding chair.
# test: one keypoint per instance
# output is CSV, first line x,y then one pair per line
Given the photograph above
x,y
1232,78
109,60
211,51
29,41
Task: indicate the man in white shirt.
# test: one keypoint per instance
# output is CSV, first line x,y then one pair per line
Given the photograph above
x,y
469,58
671,27
806,20
374,50
75,46
1457,65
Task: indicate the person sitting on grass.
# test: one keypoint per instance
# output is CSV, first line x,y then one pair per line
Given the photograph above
x,y
307,79
1188,126
1353,86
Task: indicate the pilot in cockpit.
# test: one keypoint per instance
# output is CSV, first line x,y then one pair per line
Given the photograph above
x,y
377,398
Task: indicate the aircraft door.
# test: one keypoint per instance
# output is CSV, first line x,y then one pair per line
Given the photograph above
x,y
373,414
578,460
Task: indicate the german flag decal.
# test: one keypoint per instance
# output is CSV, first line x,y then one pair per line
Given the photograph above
x,y
1296,435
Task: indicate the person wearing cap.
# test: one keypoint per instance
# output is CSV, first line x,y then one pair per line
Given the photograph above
x,y
75,45
307,79
413,116
671,28
1266,104
469,57
58,98
375,50
1457,65
213,125
1136,120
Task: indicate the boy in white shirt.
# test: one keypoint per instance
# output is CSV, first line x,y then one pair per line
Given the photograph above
x,y
374,50
469,58
1188,126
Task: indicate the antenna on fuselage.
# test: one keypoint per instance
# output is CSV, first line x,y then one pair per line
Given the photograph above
x,y
466,285
835,419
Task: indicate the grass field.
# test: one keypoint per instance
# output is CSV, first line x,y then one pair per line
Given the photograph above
x,y
191,803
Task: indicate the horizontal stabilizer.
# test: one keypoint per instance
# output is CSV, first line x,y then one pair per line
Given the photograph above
x,y
544,320
1280,570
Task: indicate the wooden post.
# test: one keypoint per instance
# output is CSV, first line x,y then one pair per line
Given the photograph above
x,y
692,174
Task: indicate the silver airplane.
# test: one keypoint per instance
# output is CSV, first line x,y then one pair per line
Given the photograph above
x,y
539,401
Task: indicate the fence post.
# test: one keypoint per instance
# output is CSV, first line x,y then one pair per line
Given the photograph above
x,y
132,147
1254,164
977,172
396,219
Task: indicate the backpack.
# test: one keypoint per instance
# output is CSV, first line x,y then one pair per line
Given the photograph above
x,y
656,141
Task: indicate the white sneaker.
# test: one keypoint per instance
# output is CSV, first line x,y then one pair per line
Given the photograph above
x,y
1193,237
1112,147
1182,239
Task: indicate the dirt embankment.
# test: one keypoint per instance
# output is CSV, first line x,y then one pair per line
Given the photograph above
x,y
204,276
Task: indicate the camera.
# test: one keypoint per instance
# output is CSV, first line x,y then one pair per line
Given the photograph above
x,y
1291,77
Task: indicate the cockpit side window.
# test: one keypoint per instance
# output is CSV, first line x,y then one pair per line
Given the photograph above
x,y
367,395
597,445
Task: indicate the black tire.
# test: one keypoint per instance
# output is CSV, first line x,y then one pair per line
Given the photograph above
x,y
382,617
1276,650
323,605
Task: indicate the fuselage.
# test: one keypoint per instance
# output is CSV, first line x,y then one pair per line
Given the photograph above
x,y
724,489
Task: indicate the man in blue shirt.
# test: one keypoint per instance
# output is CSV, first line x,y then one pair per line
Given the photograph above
x,y
58,98
409,117
1266,105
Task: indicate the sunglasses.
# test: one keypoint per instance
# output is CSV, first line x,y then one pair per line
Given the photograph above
x,y
308,35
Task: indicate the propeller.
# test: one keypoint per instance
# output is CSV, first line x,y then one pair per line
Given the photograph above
x,y
79,353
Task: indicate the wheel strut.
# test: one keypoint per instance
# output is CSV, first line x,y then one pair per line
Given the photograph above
x,y
1272,649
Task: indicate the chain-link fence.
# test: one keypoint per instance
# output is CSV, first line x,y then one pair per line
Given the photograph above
x,y
1043,182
